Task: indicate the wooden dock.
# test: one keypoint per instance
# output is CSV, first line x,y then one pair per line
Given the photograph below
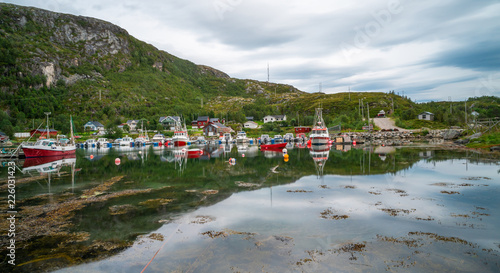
x,y
8,152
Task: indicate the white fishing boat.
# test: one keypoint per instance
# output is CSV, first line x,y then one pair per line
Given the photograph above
x,y
181,137
278,139
319,134
126,141
241,137
265,139
102,142
158,138
227,138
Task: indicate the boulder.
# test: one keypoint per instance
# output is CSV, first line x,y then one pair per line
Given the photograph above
x,y
451,134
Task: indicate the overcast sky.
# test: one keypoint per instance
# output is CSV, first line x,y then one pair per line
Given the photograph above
x,y
430,50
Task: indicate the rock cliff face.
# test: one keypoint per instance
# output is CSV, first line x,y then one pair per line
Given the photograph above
x,y
75,41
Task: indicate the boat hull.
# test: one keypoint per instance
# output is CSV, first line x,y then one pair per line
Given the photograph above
x,y
180,143
272,147
39,152
319,140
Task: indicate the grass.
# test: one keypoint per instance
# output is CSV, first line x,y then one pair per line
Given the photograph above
x,y
486,141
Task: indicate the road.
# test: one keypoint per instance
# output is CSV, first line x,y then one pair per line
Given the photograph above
x,y
386,123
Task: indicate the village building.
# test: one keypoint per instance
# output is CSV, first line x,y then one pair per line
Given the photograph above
x,y
215,129
273,118
132,124
93,126
169,122
250,125
426,116
381,114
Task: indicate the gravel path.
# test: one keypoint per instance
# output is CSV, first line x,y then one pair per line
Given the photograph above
x,y
386,123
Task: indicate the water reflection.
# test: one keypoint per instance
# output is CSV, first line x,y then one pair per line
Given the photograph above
x,y
374,206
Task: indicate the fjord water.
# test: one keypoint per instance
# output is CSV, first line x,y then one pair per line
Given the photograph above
x,y
368,209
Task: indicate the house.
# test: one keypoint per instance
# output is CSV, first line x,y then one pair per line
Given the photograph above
x,y
250,125
215,120
426,116
302,129
93,126
201,122
43,132
132,124
273,118
381,114
169,121
215,129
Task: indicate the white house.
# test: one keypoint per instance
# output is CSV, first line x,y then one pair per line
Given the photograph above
x,y
93,126
273,118
426,116
169,121
251,125
132,124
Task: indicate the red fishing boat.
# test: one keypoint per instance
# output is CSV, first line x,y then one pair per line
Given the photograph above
x,y
273,147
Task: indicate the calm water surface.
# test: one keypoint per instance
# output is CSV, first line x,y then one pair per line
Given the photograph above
x,y
338,209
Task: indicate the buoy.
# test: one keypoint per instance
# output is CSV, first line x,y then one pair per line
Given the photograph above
x,y
91,156
354,142
117,161
242,155
285,151
232,161
286,157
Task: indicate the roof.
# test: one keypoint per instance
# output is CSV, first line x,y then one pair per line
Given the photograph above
x,y
214,119
249,118
132,120
95,123
203,118
426,113
218,125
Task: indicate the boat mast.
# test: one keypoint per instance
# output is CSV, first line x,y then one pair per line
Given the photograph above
x,y
47,132
71,129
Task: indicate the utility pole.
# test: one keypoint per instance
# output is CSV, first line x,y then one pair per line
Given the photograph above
x,y
368,110
99,94
466,114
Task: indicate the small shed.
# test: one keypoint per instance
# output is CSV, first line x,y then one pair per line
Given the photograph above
x,y
381,114
426,116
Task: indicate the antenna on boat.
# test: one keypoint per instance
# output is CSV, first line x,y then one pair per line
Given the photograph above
x,y
47,132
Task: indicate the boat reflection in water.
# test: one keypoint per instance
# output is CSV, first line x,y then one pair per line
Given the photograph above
x,y
50,165
320,154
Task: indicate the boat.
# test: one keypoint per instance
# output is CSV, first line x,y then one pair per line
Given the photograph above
x,y
50,146
241,137
278,138
102,142
264,139
90,143
126,141
142,141
288,137
301,137
272,147
48,163
158,138
194,153
227,138
319,134
201,140
180,137
319,154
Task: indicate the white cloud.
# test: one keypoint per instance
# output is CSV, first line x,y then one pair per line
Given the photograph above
x,y
426,47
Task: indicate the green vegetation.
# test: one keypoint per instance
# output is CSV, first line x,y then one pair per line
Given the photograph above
x,y
486,141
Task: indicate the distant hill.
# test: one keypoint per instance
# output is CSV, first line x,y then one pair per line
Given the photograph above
x,y
94,70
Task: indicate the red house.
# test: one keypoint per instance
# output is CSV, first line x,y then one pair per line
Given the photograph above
x,y
43,132
201,122
302,129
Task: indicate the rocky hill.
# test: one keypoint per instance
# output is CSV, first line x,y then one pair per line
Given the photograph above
x,y
93,69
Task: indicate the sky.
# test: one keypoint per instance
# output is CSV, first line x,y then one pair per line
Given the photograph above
x,y
426,50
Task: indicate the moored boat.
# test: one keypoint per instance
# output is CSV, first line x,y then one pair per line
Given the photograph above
x,y
273,147
50,147
241,137
319,134
126,141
